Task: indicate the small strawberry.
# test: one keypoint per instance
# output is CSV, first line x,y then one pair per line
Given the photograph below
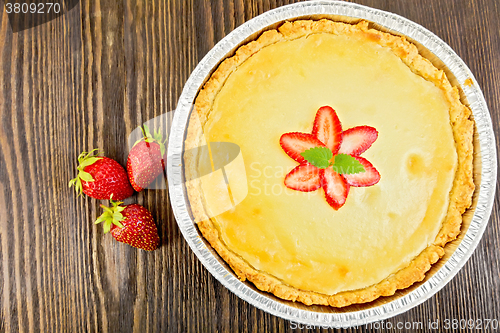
x,y
145,161
130,224
335,187
101,178
357,140
296,143
327,128
304,177
367,178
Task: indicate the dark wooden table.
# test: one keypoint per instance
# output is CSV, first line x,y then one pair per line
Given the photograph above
x,y
86,80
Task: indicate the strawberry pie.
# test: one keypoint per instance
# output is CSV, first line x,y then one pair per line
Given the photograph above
x,y
354,168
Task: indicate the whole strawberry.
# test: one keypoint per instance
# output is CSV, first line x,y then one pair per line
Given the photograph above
x,y
101,178
145,160
130,224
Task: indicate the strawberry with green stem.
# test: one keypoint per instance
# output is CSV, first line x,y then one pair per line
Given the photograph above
x,y
146,159
131,224
101,177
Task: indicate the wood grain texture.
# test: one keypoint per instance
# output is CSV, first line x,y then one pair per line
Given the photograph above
x,y
86,80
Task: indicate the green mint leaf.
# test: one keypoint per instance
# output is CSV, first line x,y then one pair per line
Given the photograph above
x,y
347,165
318,156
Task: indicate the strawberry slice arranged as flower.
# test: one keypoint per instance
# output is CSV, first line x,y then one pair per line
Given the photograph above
x,y
329,158
305,178
295,144
357,140
368,178
335,186
327,128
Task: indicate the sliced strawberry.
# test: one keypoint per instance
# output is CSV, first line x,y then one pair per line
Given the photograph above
x,y
357,140
304,177
367,178
335,187
327,128
296,143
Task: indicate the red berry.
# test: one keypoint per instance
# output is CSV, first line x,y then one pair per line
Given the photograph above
x,y
146,160
101,178
130,224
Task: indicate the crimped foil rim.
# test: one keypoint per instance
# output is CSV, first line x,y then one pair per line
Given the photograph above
x,y
487,152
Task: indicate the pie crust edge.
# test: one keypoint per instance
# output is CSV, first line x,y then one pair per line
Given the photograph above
x,y
460,194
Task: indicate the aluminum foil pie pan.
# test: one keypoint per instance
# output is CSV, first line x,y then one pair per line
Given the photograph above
x,y
485,166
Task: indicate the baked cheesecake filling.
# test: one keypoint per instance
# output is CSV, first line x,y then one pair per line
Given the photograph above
x,y
297,237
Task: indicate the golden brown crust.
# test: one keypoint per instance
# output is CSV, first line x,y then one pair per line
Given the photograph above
x,y
460,195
